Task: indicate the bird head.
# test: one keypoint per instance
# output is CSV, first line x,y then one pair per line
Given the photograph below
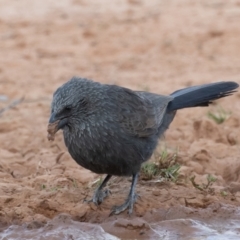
x,y
69,105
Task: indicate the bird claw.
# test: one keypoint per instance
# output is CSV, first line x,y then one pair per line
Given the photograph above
x,y
127,204
98,196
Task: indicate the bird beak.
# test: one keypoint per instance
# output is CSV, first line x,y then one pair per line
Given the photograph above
x,y
52,118
60,123
54,125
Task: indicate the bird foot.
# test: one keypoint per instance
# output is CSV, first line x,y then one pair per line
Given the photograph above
x,y
99,196
128,204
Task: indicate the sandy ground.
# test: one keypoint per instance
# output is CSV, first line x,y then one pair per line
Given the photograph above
x,y
158,46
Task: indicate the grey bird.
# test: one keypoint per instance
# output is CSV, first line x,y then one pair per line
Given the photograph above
x,y
112,130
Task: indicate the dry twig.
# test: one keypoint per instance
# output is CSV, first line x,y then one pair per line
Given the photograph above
x,y
11,105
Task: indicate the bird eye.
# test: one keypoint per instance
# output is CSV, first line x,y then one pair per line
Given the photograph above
x,y
68,108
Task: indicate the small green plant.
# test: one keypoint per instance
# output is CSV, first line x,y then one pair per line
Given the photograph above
x,y
165,166
167,159
192,179
203,187
164,155
50,188
219,115
171,172
150,170
210,180
224,193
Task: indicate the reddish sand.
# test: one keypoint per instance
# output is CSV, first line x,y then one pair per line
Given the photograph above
x,y
159,46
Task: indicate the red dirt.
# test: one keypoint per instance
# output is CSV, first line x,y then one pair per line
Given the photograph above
x,y
159,46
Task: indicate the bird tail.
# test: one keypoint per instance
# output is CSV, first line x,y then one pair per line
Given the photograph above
x,y
201,96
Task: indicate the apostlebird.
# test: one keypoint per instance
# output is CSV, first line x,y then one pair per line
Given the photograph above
x,y
112,130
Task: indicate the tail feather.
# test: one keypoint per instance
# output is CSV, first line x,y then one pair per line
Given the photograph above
x,y
201,96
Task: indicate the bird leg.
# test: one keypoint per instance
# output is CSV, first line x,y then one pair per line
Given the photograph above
x,y
130,200
99,194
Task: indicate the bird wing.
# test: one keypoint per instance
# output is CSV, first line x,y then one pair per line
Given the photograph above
x,y
139,113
